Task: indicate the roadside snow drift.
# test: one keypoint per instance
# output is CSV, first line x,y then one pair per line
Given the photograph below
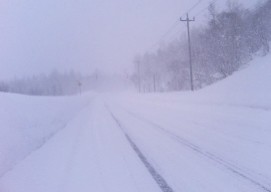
x,y
28,122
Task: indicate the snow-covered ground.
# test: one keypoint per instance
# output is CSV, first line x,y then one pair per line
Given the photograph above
x,y
27,122
215,139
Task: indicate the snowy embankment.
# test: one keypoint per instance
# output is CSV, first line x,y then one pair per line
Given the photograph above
x,y
27,122
249,87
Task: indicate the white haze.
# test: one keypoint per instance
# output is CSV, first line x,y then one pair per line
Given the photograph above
x,y
39,36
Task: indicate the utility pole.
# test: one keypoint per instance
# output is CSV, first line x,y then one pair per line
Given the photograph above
x,y
154,82
79,85
139,76
187,20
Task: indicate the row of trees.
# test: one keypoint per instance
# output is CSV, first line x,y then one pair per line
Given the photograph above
x,y
230,39
55,83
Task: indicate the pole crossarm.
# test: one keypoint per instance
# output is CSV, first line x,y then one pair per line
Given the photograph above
x,y
187,19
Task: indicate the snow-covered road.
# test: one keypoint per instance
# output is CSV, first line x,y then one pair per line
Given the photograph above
x,y
90,154
193,157
215,139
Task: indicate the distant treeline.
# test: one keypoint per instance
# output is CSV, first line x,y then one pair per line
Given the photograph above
x,y
55,83
229,40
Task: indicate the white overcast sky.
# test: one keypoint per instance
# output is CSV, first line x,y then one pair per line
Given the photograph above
x,y
41,35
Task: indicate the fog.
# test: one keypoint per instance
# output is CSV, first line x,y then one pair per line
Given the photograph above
x,y
40,36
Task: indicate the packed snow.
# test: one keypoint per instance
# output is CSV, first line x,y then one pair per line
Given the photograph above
x,y
214,139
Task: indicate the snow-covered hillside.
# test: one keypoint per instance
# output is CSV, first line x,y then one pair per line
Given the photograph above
x,y
248,87
215,139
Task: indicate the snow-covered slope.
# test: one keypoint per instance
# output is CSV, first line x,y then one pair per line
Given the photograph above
x,y
27,122
250,87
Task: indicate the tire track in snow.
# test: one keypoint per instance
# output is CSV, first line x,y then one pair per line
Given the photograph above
x,y
230,167
162,183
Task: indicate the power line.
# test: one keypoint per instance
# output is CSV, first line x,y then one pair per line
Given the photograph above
x,y
170,29
164,35
202,10
193,7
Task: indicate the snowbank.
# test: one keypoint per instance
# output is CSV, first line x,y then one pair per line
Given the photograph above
x,y
28,121
249,87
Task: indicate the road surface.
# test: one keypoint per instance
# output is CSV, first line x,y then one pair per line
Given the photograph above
x,y
121,145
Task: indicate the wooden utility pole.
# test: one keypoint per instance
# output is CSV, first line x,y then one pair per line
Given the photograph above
x,y
187,20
